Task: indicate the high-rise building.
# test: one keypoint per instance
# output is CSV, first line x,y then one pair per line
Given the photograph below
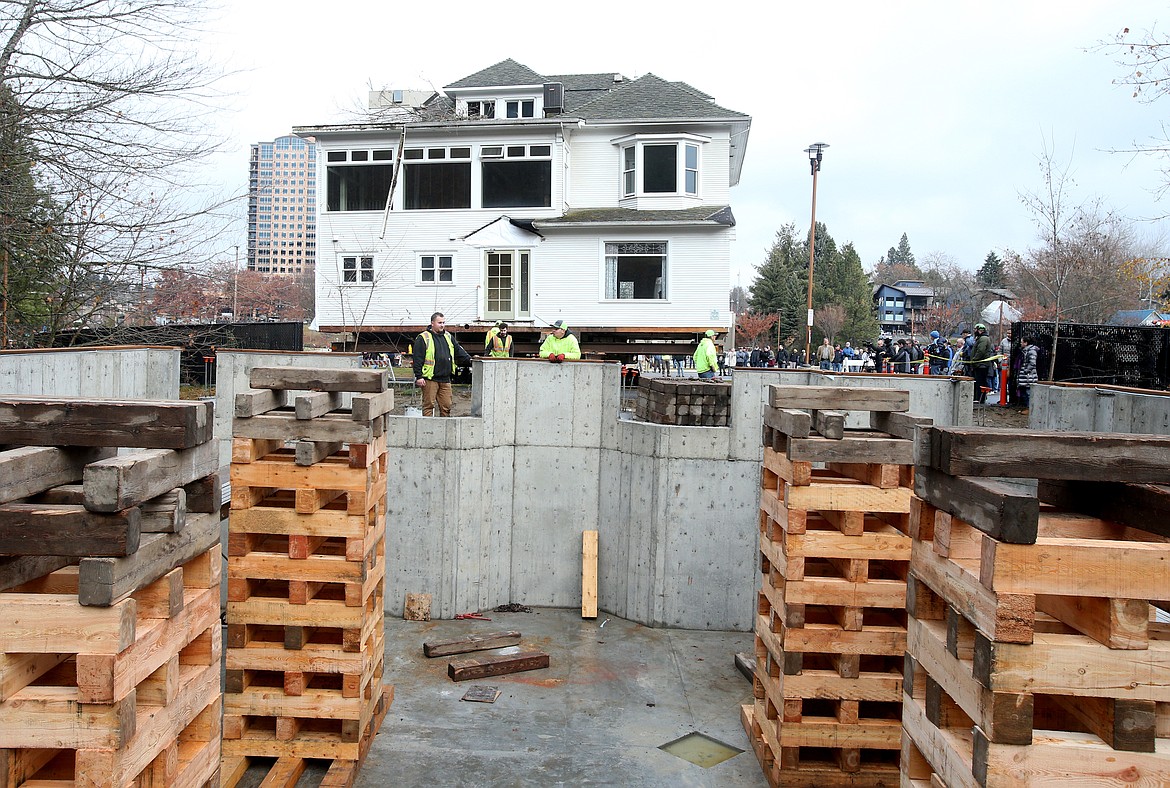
x,y
282,200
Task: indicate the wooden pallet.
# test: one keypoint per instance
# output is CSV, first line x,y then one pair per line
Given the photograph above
x,y
115,695
831,625
952,749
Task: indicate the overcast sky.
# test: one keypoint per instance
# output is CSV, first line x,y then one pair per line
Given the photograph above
x,y
935,112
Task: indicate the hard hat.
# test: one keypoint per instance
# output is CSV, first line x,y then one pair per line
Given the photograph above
x,y
934,335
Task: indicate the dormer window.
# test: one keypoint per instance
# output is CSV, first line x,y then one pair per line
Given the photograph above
x,y
660,165
521,108
481,109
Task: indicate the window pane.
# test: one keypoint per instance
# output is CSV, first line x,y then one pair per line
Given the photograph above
x,y
336,155
461,153
692,182
515,151
540,150
437,153
358,188
383,155
359,155
513,109
438,186
445,275
661,168
517,184
692,157
529,108
413,153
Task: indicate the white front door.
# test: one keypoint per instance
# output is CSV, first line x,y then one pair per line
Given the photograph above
x,y
508,282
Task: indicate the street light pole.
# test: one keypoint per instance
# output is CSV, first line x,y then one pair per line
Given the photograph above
x,y
236,288
815,153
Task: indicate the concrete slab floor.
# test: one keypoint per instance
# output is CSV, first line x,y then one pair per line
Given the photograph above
x,y
612,695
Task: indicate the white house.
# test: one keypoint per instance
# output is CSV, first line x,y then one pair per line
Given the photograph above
x,y
530,198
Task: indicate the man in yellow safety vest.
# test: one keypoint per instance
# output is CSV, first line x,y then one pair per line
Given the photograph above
x,y
499,343
436,354
706,356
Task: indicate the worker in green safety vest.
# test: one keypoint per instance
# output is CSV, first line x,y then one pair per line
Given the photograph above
x,y
706,356
560,344
436,358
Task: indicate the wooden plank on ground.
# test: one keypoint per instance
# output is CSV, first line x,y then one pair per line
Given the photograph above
x,y
995,508
309,379
1034,454
155,424
61,529
132,479
838,398
481,667
253,402
29,470
589,574
478,642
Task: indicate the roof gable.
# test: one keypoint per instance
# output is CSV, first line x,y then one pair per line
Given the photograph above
x,y
506,72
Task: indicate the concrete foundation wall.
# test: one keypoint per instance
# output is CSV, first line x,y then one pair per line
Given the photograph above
x,y
118,373
489,509
1099,409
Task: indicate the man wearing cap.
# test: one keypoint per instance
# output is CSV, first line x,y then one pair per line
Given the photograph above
x,y
938,353
706,356
499,343
435,355
560,344
981,362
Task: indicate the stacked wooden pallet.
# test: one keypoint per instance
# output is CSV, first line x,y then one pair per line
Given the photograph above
x,y
306,571
691,403
1032,655
110,641
831,626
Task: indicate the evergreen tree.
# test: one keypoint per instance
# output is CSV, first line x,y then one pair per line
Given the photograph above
x,y
839,278
903,253
991,273
781,282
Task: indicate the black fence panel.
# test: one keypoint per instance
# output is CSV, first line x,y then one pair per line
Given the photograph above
x,y
1137,356
199,342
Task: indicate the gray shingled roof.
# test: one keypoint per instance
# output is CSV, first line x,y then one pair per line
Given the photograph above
x,y
713,214
653,97
598,96
506,72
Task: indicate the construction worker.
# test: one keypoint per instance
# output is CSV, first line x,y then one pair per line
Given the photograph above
x,y
560,344
491,334
706,356
499,343
436,354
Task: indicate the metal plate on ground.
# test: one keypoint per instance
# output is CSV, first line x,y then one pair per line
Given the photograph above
x,y
478,693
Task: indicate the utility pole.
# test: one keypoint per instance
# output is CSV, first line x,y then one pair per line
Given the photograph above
x,y
815,154
236,287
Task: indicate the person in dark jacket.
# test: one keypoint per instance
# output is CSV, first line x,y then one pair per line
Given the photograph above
x,y
902,358
436,357
981,362
1028,372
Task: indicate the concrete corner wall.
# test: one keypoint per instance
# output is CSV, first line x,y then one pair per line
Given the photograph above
x,y
1072,407
114,372
489,509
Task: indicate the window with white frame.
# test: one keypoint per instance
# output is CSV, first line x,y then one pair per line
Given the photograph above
x,y
357,269
635,270
521,108
655,165
358,180
481,109
436,269
516,176
438,177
